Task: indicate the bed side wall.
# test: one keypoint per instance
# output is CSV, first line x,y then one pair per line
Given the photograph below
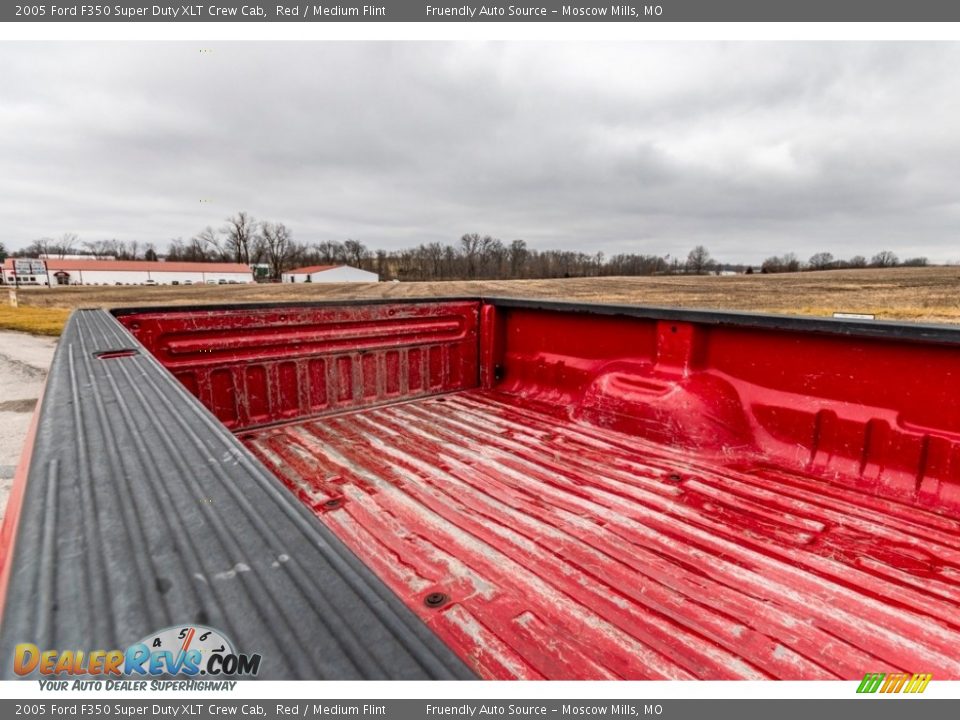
x,y
879,412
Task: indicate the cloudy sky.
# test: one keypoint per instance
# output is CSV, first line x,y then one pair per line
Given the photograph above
x,y
750,149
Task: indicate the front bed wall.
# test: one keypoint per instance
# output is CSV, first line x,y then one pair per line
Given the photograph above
x,y
259,366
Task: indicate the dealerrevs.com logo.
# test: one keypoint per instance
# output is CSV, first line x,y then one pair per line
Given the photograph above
x,y
184,651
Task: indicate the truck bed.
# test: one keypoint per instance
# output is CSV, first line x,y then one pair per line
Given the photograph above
x,y
570,551
496,488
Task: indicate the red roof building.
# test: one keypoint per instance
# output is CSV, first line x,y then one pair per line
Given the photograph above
x,y
121,272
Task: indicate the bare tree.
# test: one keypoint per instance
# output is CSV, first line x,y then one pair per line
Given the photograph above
x,y
493,258
783,263
470,245
430,259
699,261
330,252
67,245
276,243
771,265
200,250
207,244
857,261
380,263
518,257
356,252
114,248
240,236
98,248
821,261
175,250
884,258
40,246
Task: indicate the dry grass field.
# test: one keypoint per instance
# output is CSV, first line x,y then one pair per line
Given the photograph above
x,y
36,320
913,294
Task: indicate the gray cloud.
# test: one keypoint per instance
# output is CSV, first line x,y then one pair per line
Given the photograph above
x,y
752,149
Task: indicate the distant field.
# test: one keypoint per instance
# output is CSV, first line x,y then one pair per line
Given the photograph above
x,y
916,294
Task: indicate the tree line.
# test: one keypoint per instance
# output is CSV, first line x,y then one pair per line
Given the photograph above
x,y
246,240
70,244
826,261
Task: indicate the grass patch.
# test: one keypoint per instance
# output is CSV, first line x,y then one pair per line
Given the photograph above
x,y
36,320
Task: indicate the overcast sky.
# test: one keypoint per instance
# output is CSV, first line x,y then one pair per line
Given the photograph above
x,y
750,149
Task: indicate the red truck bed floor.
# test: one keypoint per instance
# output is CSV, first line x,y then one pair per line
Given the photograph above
x,y
564,550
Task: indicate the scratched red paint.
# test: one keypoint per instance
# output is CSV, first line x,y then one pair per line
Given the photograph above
x,y
602,496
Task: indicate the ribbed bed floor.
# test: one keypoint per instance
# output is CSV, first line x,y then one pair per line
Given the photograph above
x,y
538,547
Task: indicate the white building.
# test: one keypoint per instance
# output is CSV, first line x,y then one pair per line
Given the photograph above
x,y
329,274
121,272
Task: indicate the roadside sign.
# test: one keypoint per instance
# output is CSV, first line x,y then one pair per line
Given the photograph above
x,y
29,266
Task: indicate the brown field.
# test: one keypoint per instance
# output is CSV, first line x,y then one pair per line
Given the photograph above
x,y
914,294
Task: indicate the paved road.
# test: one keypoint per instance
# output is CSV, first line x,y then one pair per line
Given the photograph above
x,y
24,360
